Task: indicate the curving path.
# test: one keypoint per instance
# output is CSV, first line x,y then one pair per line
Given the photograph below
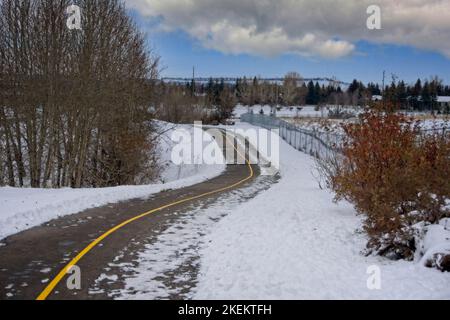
x,y
34,263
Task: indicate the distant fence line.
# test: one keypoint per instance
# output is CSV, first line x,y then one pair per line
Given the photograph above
x,y
314,142
319,144
444,130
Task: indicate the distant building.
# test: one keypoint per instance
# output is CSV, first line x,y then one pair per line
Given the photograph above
x,y
443,102
377,98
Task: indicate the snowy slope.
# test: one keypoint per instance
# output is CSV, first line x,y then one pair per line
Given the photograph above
x,y
21,209
172,172
292,242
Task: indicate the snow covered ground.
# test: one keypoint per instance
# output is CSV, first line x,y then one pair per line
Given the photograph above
x,y
279,239
24,208
166,268
171,172
335,126
311,119
292,242
312,112
286,112
282,239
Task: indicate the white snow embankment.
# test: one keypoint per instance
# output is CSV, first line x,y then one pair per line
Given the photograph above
x,y
433,243
293,242
23,208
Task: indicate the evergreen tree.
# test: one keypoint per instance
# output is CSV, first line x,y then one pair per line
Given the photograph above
x,y
353,86
402,94
317,93
416,91
238,89
310,96
426,96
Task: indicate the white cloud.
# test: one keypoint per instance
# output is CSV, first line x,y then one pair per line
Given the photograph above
x,y
306,27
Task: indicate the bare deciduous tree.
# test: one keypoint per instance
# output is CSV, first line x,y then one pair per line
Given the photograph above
x,y
74,108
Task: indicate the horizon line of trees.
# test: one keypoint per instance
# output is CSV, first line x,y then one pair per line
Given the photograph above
x,y
293,91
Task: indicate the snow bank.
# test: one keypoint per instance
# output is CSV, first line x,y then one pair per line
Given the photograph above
x,y
434,124
433,243
21,209
170,171
292,242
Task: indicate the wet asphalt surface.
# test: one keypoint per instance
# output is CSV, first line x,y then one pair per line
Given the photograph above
x,y
29,260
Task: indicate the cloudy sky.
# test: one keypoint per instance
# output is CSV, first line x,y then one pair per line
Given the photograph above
x,y
313,37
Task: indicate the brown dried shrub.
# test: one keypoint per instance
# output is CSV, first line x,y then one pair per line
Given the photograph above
x,y
395,175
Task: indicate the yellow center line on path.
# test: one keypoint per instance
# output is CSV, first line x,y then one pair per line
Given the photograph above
x,y
51,286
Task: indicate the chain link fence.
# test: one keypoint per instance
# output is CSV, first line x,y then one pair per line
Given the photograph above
x,y
319,144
